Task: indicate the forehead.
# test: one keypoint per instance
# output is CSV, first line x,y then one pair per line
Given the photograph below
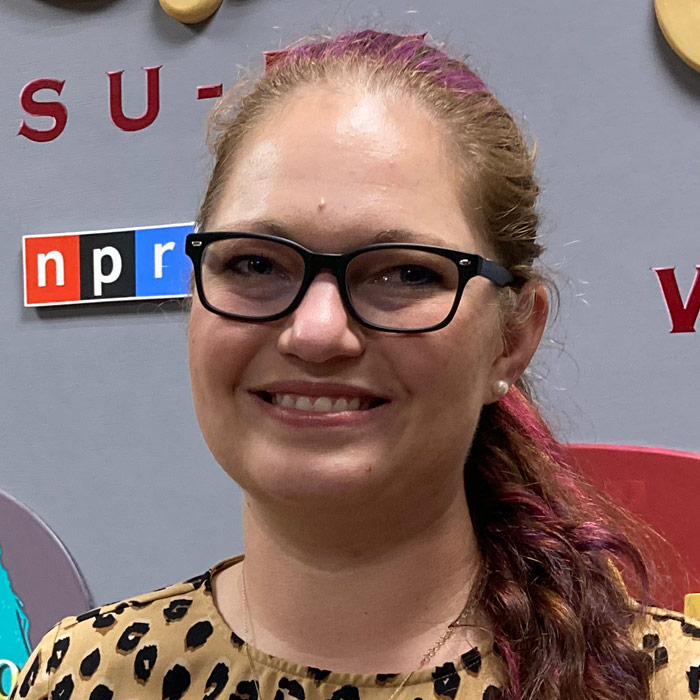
x,y
333,166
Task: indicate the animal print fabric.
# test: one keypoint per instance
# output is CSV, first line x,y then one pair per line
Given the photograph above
x,y
172,644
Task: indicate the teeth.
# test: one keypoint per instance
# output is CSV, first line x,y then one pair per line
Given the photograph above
x,y
320,404
323,404
287,401
303,403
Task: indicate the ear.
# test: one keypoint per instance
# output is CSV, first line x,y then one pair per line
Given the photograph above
x,y
521,338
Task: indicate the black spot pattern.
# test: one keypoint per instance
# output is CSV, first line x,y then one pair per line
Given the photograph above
x,y
382,678
101,692
317,674
245,690
236,640
347,692
201,580
649,641
288,688
57,654
446,681
140,604
144,662
63,689
104,622
693,674
176,682
198,634
690,630
131,636
492,693
660,657
472,660
648,662
667,616
177,609
89,664
30,678
218,678
118,608
88,614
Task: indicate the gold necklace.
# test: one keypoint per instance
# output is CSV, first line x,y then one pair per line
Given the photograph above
x,y
256,676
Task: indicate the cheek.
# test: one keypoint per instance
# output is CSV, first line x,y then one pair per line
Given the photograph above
x,y
219,350
452,367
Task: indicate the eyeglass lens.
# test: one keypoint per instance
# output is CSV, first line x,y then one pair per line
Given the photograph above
x,y
391,287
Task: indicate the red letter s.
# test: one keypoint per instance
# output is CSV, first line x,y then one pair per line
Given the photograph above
x,y
56,110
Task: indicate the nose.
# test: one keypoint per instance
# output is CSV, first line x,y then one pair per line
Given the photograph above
x,y
320,328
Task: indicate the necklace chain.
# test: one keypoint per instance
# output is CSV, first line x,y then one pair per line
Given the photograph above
x,y
247,620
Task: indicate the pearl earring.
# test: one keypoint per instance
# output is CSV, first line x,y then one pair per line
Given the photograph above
x,y
500,388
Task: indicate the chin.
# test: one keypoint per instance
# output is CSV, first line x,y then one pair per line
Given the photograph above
x,y
308,479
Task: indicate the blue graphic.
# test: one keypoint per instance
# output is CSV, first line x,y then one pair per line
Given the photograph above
x,y
14,631
162,268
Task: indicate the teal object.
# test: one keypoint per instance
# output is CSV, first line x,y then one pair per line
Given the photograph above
x,y
14,630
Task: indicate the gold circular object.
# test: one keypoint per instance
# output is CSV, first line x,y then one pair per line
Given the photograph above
x,y
190,11
680,23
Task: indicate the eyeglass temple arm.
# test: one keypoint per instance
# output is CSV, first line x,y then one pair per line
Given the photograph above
x,y
495,272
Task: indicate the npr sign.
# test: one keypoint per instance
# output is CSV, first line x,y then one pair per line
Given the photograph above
x,y
115,265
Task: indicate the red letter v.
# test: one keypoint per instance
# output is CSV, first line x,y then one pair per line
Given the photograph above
x,y
683,316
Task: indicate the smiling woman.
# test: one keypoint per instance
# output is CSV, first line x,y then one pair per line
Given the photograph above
x,y
368,299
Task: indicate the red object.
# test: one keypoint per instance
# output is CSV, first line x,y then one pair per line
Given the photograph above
x,y
56,110
51,269
116,109
207,92
662,487
683,316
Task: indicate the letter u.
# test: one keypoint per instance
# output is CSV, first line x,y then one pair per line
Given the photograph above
x,y
116,107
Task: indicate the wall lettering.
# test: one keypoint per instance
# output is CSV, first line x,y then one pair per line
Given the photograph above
x,y
58,111
55,110
74,268
116,109
683,316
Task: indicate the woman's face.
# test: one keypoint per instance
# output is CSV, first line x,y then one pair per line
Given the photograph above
x,y
333,170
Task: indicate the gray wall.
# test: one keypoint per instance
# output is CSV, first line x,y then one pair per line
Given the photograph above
x,y
98,433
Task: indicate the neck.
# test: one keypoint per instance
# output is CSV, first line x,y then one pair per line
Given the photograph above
x,y
391,581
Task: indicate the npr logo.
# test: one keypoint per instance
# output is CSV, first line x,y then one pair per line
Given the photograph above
x,y
92,266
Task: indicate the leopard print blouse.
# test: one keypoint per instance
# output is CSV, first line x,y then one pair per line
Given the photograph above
x,y
172,644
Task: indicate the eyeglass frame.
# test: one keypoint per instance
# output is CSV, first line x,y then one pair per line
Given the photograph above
x,y
469,265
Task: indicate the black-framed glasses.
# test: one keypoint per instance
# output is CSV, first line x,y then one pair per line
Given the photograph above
x,y
395,287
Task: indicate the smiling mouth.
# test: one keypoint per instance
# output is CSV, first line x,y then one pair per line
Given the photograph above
x,y
322,404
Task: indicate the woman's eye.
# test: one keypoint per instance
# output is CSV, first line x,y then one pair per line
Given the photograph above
x,y
410,276
251,265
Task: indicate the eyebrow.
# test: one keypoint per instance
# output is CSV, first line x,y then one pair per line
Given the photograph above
x,y
274,227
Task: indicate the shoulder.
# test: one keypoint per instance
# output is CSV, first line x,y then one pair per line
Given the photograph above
x,y
118,643
671,642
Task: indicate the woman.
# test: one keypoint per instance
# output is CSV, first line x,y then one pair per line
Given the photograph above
x,y
365,310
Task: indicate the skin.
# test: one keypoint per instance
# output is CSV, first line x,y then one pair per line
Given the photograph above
x,y
357,522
